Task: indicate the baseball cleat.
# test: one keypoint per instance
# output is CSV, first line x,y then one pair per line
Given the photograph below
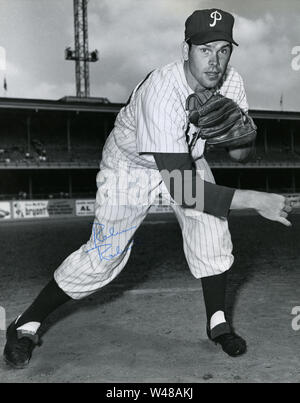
x,y
19,347
231,343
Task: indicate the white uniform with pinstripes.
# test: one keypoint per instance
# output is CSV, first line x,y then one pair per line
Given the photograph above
x,y
155,120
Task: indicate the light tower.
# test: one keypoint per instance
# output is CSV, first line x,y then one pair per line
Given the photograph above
x,y
81,54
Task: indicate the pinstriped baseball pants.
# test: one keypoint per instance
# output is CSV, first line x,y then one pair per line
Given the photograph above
x,y
206,239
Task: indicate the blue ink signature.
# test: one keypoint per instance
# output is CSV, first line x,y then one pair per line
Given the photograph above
x,y
99,237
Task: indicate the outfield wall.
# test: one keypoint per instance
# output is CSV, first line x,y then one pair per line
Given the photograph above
x,y
16,210
22,210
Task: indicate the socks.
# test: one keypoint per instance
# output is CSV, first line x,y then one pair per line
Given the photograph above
x,y
30,327
214,291
217,318
50,298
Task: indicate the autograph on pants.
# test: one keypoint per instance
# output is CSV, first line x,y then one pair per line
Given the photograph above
x,y
101,236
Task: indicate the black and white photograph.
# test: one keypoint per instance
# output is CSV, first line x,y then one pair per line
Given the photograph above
x,y
149,194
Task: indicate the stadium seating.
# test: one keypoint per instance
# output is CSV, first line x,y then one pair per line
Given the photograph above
x,y
69,144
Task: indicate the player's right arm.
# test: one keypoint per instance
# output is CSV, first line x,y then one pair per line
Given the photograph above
x,y
219,200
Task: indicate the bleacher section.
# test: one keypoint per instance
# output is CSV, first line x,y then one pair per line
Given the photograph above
x,y
52,149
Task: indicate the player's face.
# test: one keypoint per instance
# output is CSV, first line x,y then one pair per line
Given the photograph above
x,y
206,64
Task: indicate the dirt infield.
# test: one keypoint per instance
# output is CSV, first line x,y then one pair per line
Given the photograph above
x,y
149,324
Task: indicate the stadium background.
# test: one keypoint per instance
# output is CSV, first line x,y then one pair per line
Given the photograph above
x,y
50,153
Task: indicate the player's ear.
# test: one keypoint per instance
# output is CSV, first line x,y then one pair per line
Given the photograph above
x,y
185,51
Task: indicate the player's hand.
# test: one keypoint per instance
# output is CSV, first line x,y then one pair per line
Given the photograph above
x,y
276,207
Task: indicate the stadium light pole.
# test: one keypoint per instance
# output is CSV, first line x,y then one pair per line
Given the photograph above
x,y
81,54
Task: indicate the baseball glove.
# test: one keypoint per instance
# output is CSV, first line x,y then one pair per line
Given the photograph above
x,y
221,122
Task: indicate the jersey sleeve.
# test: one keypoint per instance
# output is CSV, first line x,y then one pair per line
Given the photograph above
x,y
242,98
233,88
160,118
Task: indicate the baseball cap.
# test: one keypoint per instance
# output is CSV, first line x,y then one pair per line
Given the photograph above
x,y
209,25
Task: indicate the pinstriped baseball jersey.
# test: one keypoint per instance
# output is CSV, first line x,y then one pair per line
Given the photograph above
x,y
155,120
233,87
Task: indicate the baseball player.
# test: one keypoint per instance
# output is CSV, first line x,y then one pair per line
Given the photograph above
x,y
151,139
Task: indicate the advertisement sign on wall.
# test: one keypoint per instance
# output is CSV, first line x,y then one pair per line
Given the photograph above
x,y
85,208
5,211
59,208
42,209
30,209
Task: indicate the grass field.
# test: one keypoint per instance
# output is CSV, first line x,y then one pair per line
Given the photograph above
x,y
149,324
